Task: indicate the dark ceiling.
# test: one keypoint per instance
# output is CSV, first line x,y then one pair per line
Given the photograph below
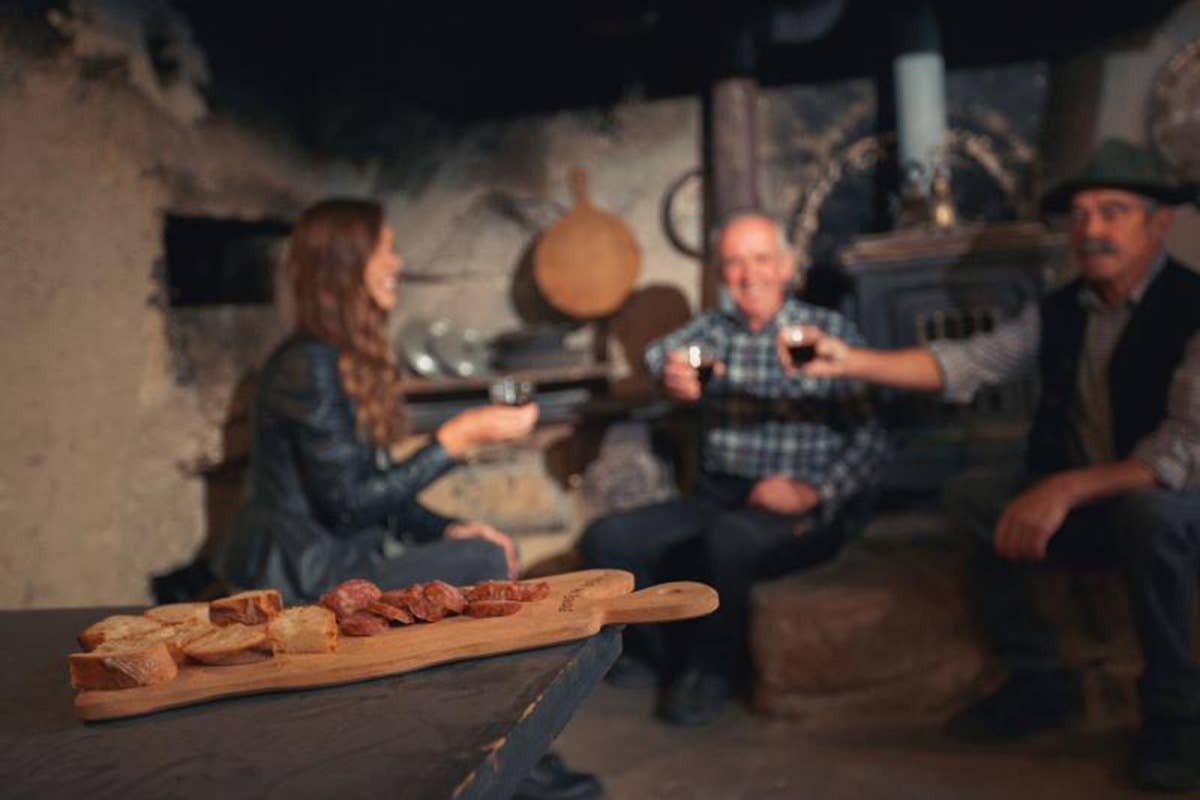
x,y
456,62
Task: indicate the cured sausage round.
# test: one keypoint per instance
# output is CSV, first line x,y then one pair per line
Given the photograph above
x,y
445,595
492,608
508,590
534,590
350,597
390,612
362,623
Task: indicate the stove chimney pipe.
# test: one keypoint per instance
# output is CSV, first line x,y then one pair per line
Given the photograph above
x,y
919,73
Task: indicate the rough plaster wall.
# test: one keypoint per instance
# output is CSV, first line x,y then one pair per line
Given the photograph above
x,y
93,497
469,230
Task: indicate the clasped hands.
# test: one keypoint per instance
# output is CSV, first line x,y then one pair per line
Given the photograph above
x,y
780,494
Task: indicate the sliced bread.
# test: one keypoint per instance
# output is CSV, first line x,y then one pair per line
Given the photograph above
x,y
229,645
248,608
304,629
136,665
179,613
175,637
118,626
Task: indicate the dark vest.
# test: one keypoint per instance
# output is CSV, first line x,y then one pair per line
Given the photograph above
x,y
1139,375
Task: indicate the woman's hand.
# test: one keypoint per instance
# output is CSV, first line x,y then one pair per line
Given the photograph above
x,y
485,425
481,530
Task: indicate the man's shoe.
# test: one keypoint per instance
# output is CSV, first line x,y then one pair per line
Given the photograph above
x,y
631,672
1166,755
1031,700
551,780
695,698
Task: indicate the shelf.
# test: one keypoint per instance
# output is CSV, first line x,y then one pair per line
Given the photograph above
x,y
415,388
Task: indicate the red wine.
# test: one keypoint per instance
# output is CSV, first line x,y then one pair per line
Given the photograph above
x,y
802,353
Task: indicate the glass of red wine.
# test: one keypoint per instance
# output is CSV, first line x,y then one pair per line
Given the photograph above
x,y
801,344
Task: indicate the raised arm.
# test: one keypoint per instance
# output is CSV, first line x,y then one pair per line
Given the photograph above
x,y
911,368
339,476
956,368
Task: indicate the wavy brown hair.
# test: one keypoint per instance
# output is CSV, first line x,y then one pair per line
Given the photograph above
x,y
326,258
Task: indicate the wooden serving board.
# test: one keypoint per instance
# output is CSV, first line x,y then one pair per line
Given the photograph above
x,y
578,605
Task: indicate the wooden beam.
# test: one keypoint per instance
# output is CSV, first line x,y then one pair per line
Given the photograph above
x,y
733,159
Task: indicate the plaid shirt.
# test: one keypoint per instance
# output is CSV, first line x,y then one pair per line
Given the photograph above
x,y
759,422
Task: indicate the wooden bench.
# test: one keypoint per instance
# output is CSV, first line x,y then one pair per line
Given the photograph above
x,y
888,632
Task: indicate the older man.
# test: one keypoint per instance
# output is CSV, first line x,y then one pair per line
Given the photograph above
x,y
780,458
1113,467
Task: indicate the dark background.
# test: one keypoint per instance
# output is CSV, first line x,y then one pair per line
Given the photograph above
x,y
341,74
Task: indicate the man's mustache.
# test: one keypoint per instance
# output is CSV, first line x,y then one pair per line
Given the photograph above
x,y
1095,247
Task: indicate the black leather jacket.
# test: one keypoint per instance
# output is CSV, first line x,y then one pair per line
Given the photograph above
x,y
320,500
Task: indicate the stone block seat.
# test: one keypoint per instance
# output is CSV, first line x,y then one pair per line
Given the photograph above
x,y
888,632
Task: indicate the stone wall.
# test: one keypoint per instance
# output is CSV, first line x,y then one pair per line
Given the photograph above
x,y
96,486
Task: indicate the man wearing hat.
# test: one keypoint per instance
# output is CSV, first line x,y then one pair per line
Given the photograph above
x,y
1113,461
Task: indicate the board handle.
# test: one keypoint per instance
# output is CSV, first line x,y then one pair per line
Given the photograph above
x,y
661,603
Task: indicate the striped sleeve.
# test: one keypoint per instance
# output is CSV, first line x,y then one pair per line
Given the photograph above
x,y
1172,451
987,359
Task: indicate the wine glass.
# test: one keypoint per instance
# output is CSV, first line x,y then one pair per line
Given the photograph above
x,y
703,359
510,391
801,342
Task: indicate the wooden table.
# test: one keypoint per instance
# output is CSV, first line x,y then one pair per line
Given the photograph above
x,y
466,730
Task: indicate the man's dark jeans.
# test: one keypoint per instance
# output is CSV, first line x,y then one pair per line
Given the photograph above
x,y
708,536
1152,535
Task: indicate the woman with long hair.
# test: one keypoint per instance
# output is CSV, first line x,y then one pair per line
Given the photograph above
x,y
325,500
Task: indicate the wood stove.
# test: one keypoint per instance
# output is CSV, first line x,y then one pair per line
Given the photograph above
x,y
915,286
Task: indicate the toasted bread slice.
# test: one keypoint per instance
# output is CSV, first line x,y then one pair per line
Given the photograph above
x,y
179,613
249,608
304,629
137,665
118,626
175,637
229,645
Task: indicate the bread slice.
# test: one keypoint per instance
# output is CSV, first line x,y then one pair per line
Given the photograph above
x,y
229,645
304,629
137,665
179,613
249,608
175,637
118,626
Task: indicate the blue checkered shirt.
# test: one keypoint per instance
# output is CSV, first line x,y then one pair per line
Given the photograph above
x,y
757,421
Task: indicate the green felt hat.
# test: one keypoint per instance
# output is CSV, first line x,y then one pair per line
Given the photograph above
x,y
1121,165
